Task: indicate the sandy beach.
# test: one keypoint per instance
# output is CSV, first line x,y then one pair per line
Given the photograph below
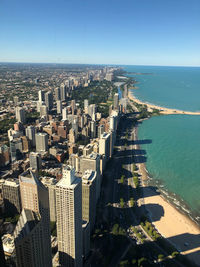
x,y
178,228
163,110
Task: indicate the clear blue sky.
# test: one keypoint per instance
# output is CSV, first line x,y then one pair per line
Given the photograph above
x,y
136,32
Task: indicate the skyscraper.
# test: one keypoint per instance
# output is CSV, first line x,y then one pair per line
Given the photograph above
x,y
64,114
11,196
20,115
63,92
49,100
101,130
116,101
59,106
41,142
35,160
89,197
86,104
28,240
57,94
41,96
34,197
16,100
104,145
73,106
43,110
30,133
92,110
93,129
69,218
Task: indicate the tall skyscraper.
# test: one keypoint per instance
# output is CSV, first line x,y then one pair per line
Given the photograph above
x,y
11,197
101,130
104,145
43,110
49,100
64,114
63,92
20,115
89,197
41,96
28,240
16,100
73,106
116,101
57,94
41,142
69,218
34,197
35,161
50,184
4,155
92,110
93,129
30,133
16,149
86,104
59,106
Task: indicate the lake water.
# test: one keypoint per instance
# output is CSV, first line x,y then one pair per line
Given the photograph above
x,y
173,157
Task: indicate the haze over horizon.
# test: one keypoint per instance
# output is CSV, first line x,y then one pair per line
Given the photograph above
x,y
148,32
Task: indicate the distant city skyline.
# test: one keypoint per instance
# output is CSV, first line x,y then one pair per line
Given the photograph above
x,y
148,32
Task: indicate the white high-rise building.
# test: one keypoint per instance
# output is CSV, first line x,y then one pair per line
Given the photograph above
x,y
20,115
86,104
104,145
30,133
43,111
41,142
59,106
69,218
41,96
64,114
92,110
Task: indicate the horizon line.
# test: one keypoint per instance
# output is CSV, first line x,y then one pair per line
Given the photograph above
x,y
105,64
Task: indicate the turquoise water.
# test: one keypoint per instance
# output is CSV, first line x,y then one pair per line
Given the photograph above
x,y
173,87
173,157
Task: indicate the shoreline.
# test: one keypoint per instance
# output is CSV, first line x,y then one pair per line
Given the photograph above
x,y
163,110
172,223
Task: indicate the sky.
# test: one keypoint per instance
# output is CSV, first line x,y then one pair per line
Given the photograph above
x,y
126,32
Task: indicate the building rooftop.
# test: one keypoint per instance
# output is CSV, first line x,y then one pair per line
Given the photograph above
x,y
88,176
13,183
105,135
93,155
64,183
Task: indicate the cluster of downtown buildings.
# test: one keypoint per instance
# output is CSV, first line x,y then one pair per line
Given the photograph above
x,y
58,179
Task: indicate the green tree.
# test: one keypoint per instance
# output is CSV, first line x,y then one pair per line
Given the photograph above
x,y
160,257
124,263
141,261
132,202
122,179
122,202
174,254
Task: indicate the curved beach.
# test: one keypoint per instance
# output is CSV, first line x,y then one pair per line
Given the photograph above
x,y
178,228
163,110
